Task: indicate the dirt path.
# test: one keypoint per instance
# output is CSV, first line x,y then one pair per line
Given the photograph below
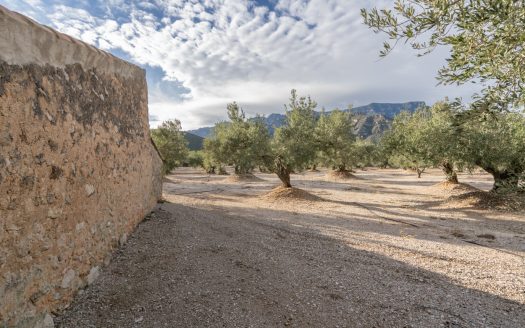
x,y
216,256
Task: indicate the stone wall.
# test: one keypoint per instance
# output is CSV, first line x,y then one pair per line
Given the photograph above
x,y
78,170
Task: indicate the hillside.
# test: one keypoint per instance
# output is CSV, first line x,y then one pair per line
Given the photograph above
x,y
195,142
204,132
388,110
371,121
371,126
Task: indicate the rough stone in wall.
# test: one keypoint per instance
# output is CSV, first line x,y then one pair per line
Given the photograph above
x,y
78,170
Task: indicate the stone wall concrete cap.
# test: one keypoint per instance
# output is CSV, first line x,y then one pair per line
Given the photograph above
x,y
24,41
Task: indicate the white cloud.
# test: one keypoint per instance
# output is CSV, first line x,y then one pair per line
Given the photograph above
x,y
225,50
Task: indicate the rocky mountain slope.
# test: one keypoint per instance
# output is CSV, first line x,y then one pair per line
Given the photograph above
x,y
371,121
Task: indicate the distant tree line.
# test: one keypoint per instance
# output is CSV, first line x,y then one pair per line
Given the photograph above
x,y
305,141
439,136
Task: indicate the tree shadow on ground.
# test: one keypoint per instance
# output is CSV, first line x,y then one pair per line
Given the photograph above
x,y
195,267
396,216
470,221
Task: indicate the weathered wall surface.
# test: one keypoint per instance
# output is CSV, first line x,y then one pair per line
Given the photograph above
x,y
77,167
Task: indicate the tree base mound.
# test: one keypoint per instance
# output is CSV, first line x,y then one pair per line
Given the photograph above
x,y
453,188
487,201
289,194
341,175
242,178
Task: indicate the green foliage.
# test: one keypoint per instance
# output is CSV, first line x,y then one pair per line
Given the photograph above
x,y
240,142
441,136
210,164
294,146
171,144
485,37
212,152
427,138
498,146
446,150
407,142
335,139
365,153
195,158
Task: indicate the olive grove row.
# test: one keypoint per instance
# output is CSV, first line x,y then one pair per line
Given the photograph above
x,y
438,136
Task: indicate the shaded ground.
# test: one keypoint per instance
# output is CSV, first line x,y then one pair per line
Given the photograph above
x,y
379,251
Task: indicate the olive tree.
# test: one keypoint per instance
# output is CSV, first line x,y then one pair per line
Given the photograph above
x,y
428,137
171,144
485,38
335,139
498,147
446,151
209,163
407,143
212,156
294,144
240,141
365,153
195,158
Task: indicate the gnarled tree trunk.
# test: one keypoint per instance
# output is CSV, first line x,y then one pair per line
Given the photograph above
x,y
504,181
451,175
283,172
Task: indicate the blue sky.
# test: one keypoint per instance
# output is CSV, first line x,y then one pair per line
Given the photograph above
x,y
201,54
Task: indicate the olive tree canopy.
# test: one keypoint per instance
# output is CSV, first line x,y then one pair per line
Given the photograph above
x,y
171,144
486,40
335,138
240,141
294,144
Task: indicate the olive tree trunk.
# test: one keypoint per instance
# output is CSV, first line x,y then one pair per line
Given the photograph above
x,y
504,181
419,172
450,174
341,168
283,172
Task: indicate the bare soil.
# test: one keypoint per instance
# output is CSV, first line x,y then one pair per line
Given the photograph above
x,y
451,187
486,200
283,194
378,251
235,178
341,175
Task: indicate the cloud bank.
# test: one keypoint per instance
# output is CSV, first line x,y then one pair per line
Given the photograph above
x,y
202,54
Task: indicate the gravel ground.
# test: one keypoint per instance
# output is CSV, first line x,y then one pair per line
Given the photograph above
x,y
378,252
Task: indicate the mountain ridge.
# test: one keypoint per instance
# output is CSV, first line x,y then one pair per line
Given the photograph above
x,y
371,120
195,142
